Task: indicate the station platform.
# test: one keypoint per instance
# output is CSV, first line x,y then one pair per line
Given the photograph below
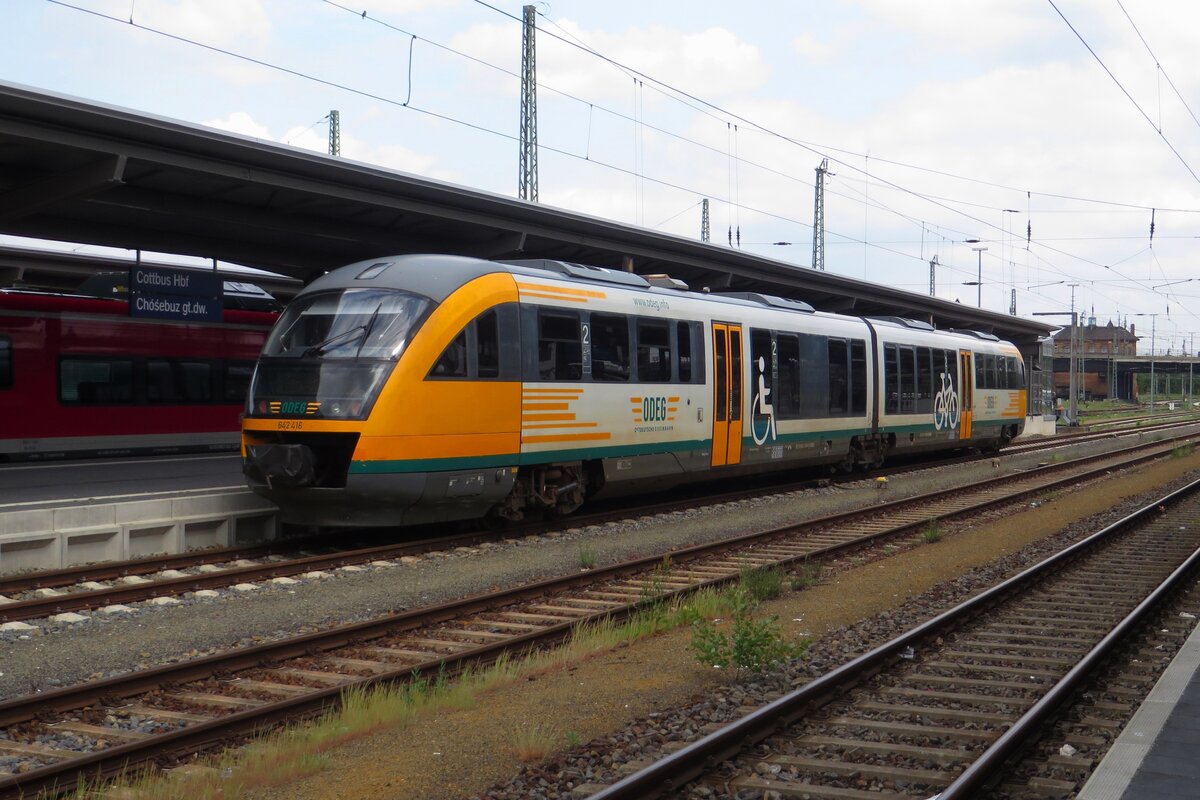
x,y
63,513
1158,754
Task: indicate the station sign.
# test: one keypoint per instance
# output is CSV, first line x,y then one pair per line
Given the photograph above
x,y
179,294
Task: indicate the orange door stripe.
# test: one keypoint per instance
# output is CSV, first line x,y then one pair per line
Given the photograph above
x,y
546,418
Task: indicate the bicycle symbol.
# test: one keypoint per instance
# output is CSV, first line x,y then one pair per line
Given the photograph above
x,y
945,405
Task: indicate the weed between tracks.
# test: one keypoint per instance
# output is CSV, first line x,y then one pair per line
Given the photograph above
x,y
304,748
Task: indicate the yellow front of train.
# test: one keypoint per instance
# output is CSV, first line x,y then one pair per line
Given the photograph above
x,y
353,417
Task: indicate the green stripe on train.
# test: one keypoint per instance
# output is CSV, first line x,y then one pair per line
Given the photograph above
x,y
516,459
615,451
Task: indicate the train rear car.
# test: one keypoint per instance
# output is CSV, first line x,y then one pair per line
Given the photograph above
x,y
80,377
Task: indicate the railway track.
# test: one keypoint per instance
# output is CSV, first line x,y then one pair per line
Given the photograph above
x,y
940,710
112,585
97,729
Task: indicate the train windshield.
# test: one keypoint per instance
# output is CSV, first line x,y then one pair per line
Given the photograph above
x,y
330,354
355,323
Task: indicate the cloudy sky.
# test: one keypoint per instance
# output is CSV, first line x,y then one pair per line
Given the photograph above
x,y
1052,132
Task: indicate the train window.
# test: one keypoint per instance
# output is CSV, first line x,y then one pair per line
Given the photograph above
x,y
719,378
891,379
981,371
6,363
1020,374
176,381
487,345
908,380
735,370
924,380
452,363
787,392
814,376
610,347
683,349
237,380
839,377
653,351
858,377
762,350
95,381
560,352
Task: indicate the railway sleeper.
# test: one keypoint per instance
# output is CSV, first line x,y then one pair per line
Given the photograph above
x,y
1004,658
161,714
959,667
806,791
964,698
833,744
268,687
981,683
909,729
930,713
217,701
852,769
402,654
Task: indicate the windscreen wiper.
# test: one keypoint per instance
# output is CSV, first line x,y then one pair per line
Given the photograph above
x,y
367,329
320,347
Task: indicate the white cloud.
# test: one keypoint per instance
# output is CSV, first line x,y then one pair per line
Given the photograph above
x,y
815,50
316,138
383,7
713,62
220,22
240,122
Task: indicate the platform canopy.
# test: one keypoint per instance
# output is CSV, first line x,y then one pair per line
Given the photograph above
x,y
72,170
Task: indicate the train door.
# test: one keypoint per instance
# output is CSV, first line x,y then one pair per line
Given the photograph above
x,y
967,381
727,394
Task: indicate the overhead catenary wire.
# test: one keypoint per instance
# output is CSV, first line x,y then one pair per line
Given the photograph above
x,y
1125,91
733,201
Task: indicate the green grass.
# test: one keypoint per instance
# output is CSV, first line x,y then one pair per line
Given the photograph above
x,y
808,575
762,583
933,532
303,749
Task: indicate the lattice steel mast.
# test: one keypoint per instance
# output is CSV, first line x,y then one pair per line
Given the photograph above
x,y
335,133
704,230
818,257
528,170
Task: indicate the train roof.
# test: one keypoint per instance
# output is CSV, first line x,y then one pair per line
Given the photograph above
x,y
437,276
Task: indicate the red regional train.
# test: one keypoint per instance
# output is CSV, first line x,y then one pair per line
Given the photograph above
x,y
80,377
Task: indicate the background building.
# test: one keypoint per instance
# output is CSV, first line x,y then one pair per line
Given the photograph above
x,y
1096,347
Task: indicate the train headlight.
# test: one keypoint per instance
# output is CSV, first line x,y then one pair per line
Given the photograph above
x,y
336,409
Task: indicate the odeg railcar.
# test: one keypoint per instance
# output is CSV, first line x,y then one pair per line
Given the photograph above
x,y
430,387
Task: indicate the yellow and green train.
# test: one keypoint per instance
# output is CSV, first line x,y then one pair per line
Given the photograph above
x,y
421,388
